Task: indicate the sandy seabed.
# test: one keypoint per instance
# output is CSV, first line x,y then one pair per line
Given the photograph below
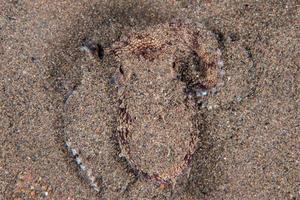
x,y
249,141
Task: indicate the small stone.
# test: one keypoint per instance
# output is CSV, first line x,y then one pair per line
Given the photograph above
x,y
201,93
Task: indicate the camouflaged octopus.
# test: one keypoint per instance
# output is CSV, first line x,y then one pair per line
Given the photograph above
x,y
161,72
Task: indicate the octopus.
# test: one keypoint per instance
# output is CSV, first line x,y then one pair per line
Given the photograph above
x,y
161,73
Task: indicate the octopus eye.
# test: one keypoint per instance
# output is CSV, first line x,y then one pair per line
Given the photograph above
x,y
92,48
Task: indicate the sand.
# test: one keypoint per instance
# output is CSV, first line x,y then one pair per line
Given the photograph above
x,y
249,146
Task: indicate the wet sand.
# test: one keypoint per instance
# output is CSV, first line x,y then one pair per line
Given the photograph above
x,y
249,144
